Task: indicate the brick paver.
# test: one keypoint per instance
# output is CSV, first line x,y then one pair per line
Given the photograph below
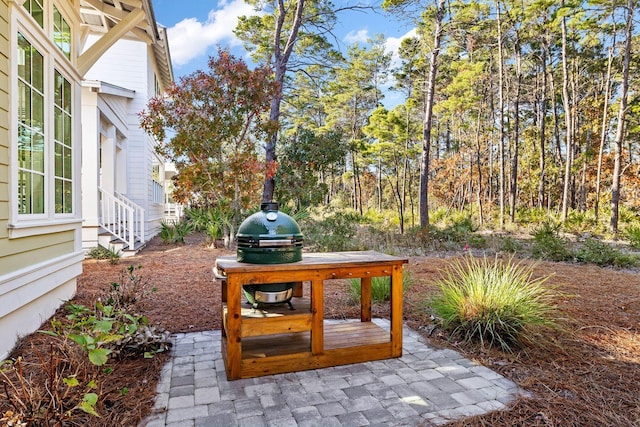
x,y
425,386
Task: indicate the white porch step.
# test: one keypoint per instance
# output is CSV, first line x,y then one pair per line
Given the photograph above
x,y
107,240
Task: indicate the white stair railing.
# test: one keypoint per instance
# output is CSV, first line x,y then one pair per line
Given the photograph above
x,y
121,217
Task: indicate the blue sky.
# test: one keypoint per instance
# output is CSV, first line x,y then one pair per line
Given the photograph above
x,y
196,27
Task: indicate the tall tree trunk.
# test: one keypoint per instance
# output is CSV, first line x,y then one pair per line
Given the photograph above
x,y
405,169
428,116
556,120
582,199
501,153
543,114
604,129
622,113
280,60
566,102
379,184
516,135
479,166
575,128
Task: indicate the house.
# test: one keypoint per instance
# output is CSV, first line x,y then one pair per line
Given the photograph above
x,y
123,200
47,47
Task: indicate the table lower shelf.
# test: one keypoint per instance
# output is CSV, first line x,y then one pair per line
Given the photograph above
x,y
336,335
345,342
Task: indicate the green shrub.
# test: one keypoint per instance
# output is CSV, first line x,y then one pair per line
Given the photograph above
x,y
439,215
214,222
112,326
183,229
531,215
508,244
103,253
596,252
175,233
334,232
632,234
548,245
579,222
498,304
130,289
167,232
380,287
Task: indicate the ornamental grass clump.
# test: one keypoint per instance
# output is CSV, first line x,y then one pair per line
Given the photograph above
x,y
499,304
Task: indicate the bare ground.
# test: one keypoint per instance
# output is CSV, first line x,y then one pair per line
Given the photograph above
x,y
586,374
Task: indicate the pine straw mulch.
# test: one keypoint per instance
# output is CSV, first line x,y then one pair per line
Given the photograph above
x,y
587,374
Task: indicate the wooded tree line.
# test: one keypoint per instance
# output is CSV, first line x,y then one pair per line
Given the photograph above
x,y
508,105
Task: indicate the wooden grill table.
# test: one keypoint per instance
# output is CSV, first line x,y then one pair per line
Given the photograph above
x,y
273,339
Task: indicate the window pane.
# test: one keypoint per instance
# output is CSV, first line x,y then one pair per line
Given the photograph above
x,y
59,195
66,97
30,193
63,152
59,155
68,199
64,201
24,147
37,70
38,193
66,29
35,9
31,143
24,192
67,163
67,129
61,33
24,59
38,153
37,112
58,118
58,89
24,104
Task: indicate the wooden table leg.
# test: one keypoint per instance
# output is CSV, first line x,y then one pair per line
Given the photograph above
x,y
317,317
298,291
396,311
234,327
365,299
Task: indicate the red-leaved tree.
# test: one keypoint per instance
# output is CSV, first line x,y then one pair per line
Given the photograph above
x,y
209,125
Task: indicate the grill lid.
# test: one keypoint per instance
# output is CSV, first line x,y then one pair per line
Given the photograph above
x,y
269,228
269,237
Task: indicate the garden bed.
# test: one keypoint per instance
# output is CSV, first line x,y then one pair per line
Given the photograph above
x,y
586,374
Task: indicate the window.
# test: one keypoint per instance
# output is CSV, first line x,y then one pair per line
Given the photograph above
x,y
34,7
62,142
43,119
31,147
61,33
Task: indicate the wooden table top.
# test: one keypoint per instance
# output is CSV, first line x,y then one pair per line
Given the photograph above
x,y
311,260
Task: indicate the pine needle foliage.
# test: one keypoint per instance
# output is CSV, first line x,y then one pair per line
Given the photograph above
x,y
498,304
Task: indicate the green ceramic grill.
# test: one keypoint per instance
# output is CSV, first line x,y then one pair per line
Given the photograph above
x,y
269,237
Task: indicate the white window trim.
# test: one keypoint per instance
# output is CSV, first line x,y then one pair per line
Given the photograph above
x,y
24,225
26,229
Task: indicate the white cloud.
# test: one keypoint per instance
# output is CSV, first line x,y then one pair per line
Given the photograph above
x,y
191,38
360,36
392,45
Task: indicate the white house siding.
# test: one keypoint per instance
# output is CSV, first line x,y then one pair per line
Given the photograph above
x,y
127,64
156,210
38,262
104,117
